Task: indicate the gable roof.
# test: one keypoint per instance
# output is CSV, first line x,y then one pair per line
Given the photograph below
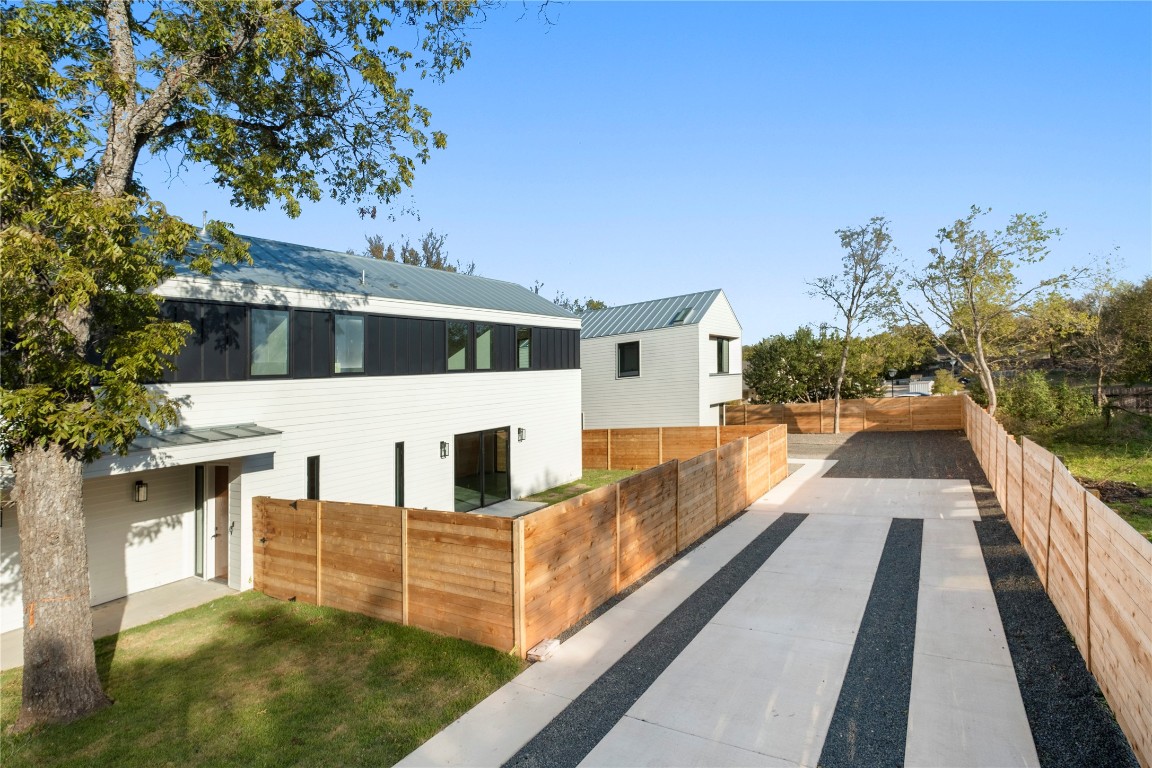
x,y
287,265
647,315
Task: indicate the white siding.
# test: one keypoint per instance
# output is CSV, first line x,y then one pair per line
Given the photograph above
x,y
665,394
715,388
132,546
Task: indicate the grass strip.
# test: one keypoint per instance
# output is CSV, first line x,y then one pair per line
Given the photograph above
x,y
248,680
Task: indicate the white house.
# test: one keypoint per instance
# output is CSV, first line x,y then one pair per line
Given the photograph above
x,y
665,363
318,374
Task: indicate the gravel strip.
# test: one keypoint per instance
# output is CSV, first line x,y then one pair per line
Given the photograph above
x,y
574,732
870,723
1071,723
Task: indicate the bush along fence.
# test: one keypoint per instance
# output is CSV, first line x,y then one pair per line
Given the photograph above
x,y
510,583
885,414
1096,568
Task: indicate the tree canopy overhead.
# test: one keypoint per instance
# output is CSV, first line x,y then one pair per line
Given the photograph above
x,y
284,101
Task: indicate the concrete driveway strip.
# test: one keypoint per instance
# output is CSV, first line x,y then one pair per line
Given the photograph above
x,y
494,730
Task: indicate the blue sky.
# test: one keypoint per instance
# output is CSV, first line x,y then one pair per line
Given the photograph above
x,y
638,150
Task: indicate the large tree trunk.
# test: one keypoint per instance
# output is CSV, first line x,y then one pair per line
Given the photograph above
x,y
60,679
839,385
985,374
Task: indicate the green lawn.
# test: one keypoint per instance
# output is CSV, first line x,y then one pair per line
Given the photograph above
x,y
1121,453
592,479
251,681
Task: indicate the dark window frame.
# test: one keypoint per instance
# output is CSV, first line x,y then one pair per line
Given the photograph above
x,y
248,310
621,373
312,478
363,343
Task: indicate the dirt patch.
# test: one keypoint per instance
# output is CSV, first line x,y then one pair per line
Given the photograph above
x,y
1110,491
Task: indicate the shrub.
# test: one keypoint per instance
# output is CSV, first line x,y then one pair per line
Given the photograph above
x,y
946,384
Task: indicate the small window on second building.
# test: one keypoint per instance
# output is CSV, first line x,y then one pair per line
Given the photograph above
x,y
628,359
313,485
722,348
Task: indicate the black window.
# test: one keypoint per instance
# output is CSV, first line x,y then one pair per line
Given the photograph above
x,y
269,342
628,359
349,353
399,474
523,348
722,349
484,346
458,333
313,477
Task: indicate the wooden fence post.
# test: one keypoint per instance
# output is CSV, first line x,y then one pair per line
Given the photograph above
x,y
319,535
404,567
1023,499
1048,532
608,449
518,623
659,446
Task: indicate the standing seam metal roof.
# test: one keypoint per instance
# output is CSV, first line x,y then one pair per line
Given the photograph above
x,y
287,265
645,315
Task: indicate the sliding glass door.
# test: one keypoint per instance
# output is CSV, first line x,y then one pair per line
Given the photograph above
x,y
482,477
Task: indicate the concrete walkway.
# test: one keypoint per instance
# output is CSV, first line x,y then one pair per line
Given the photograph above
x,y
127,612
794,666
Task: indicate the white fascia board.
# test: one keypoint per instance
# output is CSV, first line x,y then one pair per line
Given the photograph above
x,y
206,289
181,455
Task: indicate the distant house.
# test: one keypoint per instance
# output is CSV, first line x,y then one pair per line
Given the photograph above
x,y
317,374
667,362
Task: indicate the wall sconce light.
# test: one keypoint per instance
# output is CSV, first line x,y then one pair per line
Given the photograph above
x,y
521,434
443,449
140,493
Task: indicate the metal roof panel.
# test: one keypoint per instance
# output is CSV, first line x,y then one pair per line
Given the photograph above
x,y
646,315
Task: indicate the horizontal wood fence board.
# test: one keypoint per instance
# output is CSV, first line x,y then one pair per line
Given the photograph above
x,y
889,415
634,448
367,568
489,606
685,442
1037,486
448,623
595,449
936,413
431,520
730,480
853,415
1013,502
696,498
567,575
382,610
728,434
647,521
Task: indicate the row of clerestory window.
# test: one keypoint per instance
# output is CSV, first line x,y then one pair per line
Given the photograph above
x,y
235,342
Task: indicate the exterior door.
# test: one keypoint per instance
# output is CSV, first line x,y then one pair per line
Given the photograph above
x,y
482,472
221,534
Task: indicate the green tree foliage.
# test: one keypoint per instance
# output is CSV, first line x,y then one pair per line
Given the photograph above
x,y
905,348
578,306
285,101
431,253
969,295
864,290
1131,313
803,368
1029,402
946,384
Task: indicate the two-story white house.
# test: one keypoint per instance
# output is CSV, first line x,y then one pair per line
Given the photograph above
x,y
318,374
670,362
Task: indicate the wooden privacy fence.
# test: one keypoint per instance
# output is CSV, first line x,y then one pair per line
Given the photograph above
x,y
884,414
508,583
1095,567
641,448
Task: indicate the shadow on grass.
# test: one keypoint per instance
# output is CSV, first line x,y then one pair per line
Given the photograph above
x,y
247,680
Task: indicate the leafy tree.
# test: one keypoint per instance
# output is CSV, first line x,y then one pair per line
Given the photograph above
x,y
431,254
971,296
803,367
284,100
945,383
578,306
864,290
905,348
1131,313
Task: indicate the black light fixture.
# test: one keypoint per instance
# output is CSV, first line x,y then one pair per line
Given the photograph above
x,y
443,449
521,434
140,493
